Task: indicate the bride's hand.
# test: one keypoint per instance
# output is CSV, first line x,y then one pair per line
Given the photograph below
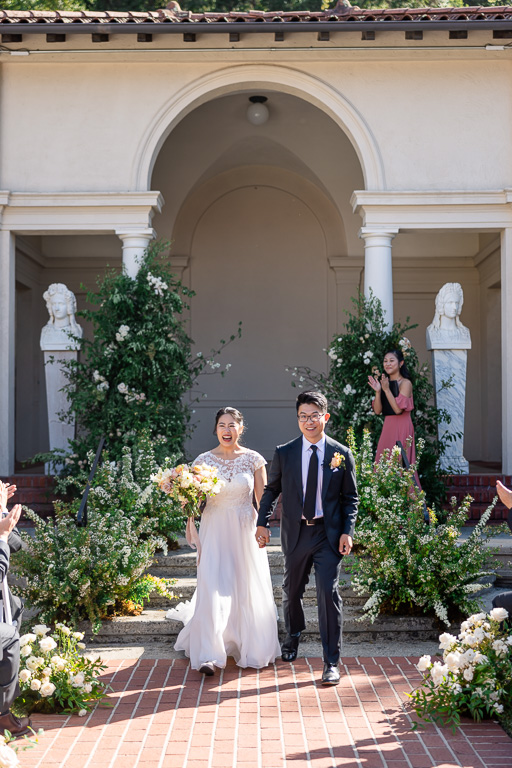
x,y
374,383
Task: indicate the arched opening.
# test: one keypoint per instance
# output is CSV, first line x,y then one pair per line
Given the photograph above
x,y
257,215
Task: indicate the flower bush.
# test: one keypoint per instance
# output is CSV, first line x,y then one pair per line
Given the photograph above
x,y
404,564
475,676
135,371
355,355
54,674
81,573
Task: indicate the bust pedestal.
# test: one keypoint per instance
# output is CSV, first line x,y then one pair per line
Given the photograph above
x,y
449,359
60,432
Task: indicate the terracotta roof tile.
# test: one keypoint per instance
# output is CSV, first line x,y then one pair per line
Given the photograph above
x,y
340,13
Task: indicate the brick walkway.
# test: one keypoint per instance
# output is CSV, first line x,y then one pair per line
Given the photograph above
x,y
165,715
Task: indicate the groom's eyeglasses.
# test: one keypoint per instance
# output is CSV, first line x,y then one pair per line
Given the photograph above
x,y
303,418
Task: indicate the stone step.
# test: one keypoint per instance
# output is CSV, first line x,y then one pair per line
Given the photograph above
x,y
152,626
185,586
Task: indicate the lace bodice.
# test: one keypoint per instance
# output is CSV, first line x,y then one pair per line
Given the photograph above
x,y
239,476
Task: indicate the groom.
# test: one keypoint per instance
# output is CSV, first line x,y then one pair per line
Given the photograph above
x,y
316,477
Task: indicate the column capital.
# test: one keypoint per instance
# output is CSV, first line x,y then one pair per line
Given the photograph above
x,y
145,234
135,242
388,233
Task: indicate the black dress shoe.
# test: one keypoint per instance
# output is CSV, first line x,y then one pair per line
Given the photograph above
x,y
289,647
17,726
331,675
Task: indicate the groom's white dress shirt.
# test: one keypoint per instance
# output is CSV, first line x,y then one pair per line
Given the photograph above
x,y
306,457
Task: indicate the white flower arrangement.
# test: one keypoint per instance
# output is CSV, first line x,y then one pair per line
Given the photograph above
x,y
66,681
122,333
475,675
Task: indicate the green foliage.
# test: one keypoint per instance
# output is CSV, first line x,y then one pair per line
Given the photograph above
x,y
54,674
404,564
81,573
135,372
475,676
142,590
356,354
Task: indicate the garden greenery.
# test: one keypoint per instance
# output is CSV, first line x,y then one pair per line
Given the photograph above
x,y
54,674
137,371
403,564
77,573
475,675
358,353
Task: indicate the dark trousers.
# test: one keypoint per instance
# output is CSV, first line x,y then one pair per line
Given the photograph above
x,y
313,549
9,666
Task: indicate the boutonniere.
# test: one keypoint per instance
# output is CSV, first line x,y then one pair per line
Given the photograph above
x,y
337,461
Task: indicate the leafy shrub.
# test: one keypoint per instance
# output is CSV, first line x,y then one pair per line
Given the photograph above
x,y
54,675
404,564
475,675
134,373
358,353
80,573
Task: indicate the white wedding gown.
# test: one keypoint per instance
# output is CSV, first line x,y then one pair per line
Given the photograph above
x,y
232,612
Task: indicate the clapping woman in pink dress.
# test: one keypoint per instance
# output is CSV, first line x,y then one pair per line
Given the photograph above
x,y
393,398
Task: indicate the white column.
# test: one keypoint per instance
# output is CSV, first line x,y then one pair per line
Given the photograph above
x,y
134,245
7,323
506,350
378,268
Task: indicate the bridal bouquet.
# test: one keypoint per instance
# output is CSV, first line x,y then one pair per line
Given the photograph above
x,y
189,484
475,676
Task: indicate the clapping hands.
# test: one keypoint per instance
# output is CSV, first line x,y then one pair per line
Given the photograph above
x,y
377,385
8,523
6,491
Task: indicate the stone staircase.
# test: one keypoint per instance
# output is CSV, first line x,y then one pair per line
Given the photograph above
x,y
152,626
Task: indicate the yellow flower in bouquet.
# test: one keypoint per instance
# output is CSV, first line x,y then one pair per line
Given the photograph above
x,y
190,485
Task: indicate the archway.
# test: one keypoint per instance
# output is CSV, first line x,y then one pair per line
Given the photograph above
x,y
258,215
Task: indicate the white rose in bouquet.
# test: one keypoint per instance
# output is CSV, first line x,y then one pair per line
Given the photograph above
x,y
35,684
25,675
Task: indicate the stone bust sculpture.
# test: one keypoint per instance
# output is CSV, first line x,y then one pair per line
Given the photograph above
x,y
446,330
61,327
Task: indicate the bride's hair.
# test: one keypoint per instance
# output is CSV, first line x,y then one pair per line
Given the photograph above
x,y
229,411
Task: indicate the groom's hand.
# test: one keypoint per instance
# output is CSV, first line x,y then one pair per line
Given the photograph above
x,y
262,536
346,544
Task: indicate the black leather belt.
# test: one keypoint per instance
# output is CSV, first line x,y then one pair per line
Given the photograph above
x,y
314,521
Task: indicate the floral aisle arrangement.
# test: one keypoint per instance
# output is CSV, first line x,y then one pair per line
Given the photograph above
x,y
189,485
54,674
137,366
402,563
358,353
88,573
475,675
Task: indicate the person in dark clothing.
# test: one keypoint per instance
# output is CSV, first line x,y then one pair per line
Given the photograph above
x,y
10,621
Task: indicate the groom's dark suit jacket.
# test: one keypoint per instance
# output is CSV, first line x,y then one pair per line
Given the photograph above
x,y
339,493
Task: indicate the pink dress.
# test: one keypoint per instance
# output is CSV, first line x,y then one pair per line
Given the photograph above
x,y
397,426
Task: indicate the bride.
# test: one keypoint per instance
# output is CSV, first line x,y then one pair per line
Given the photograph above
x,y
232,612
